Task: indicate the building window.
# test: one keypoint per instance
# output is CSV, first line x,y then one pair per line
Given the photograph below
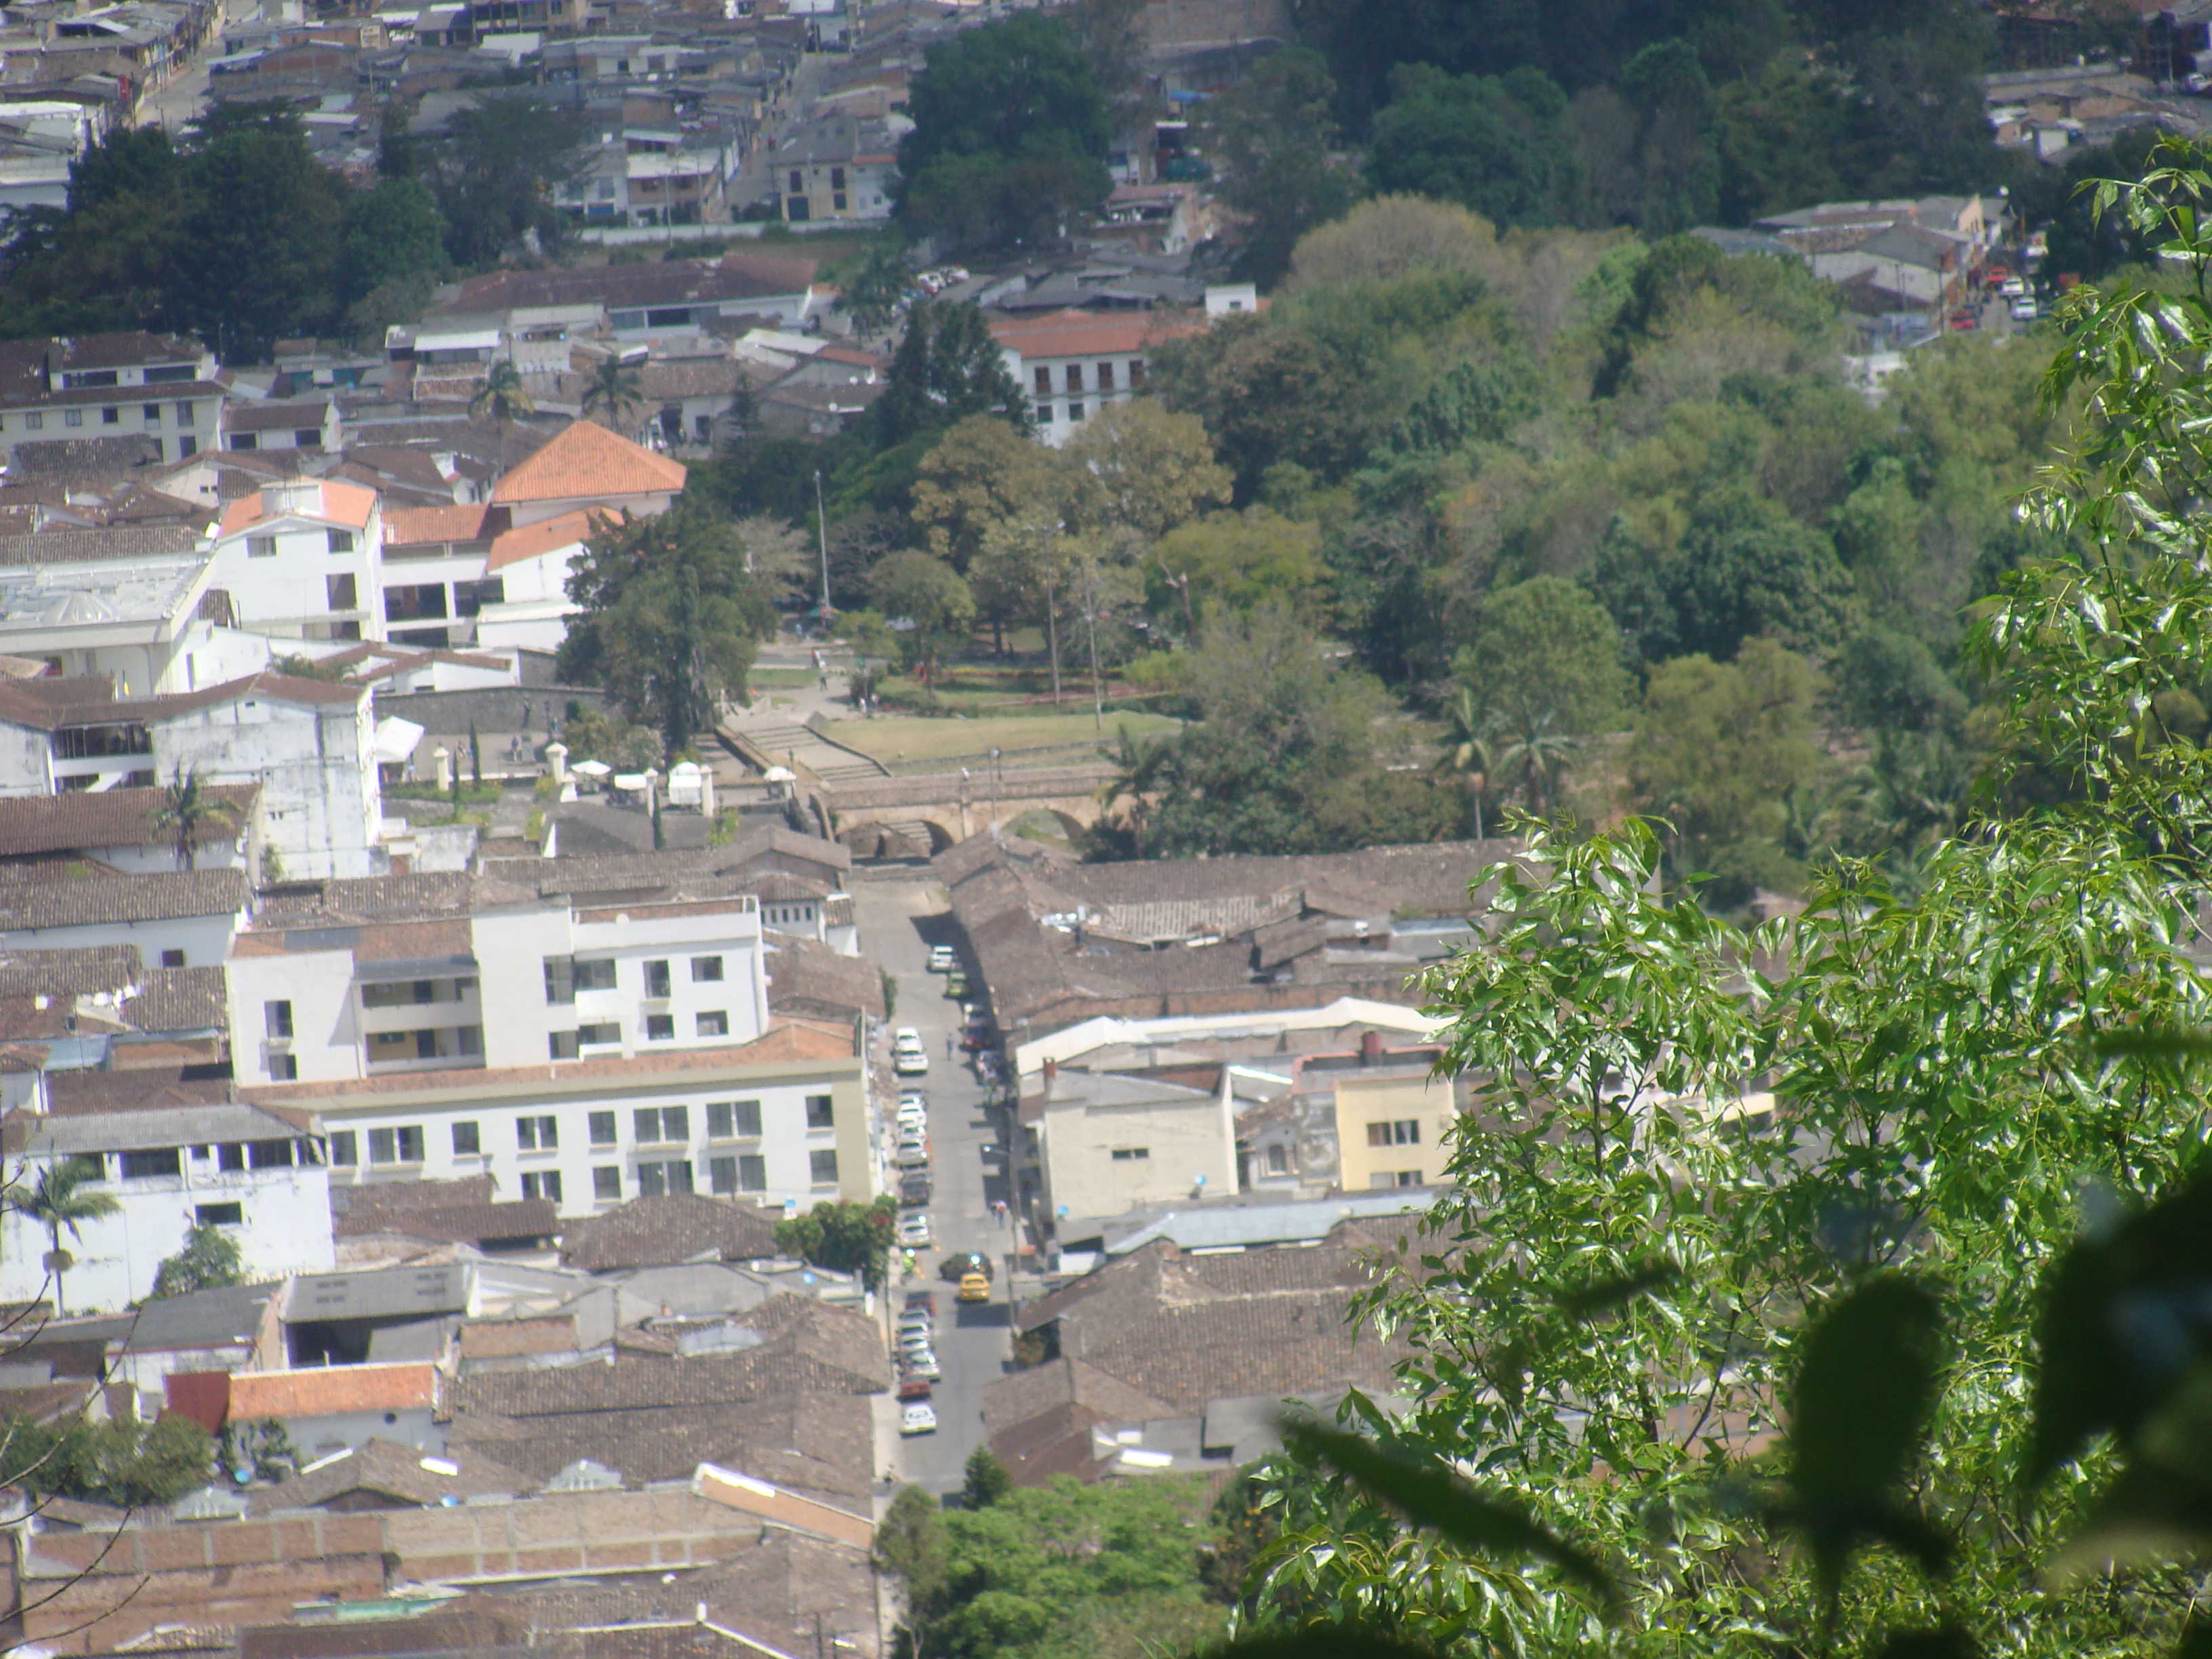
x,y
560,983
649,1124
714,1023
1044,414
1043,381
1395,1178
706,970
1136,371
596,976
152,1161
836,178
187,447
606,1182
1105,377
466,1141
172,958
1279,1160
1131,1154
1075,411
600,1127
277,1016
722,1175
399,1144
153,414
536,1134
541,1183
1075,377
260,547
656,979
821,1112
219,1215
344,1149
269,1154
111,416
1402,1132
35,421
341,541
341,591
607,1031
72,418
660,1028
184,415
231,1155
310,437
244,440
797,182
562,1045
822,1168
733,1119
655,1179
837,201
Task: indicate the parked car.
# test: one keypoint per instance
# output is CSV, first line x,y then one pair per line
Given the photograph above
x,y
922,1299
914,1387
912,1155
918,1419
2024,311
956,983
910,1062
2012,287
916,1232
921,1365
1965,319
958,1265
974,1287
914,1189
943,959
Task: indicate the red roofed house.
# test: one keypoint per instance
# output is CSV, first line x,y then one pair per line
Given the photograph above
x,y
1073,363
301,560
333,1408
587,465
530,566
432,573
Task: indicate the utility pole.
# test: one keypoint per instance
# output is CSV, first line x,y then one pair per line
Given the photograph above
x,y
821,536
1090,616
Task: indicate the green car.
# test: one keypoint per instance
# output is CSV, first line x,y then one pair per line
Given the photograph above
x,y
956,984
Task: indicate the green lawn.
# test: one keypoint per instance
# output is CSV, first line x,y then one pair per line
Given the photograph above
x,y
892,738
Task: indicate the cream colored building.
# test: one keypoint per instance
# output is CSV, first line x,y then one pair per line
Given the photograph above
x,y
1394,1116
1112,1141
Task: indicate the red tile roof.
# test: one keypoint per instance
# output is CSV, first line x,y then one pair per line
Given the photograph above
x,y
408,526
531,541
1088,334
329,1390
587,463
342,503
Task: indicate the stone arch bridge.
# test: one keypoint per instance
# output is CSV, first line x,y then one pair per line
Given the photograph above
x,y
923,813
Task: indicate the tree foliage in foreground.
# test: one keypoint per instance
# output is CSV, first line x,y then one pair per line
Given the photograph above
x,y
1835,1287
846,1238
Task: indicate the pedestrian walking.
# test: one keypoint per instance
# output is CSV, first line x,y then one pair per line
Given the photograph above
x,y
948,1045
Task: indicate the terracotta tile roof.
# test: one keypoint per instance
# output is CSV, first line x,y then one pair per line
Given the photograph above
x,y
403,1195
340,503
178,999
276,415
470,1223
181,1088
654,1232
788,1042
409,526
531,541
588,463
1088,334
69,971
806,977
405,1473
62,545
505,1339
94,901
333,1389
86,818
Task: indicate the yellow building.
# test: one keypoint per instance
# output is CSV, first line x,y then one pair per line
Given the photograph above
x,y
1394,1116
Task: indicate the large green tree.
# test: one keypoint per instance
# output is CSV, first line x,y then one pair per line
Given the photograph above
x,y
1269,137
946,367
671,616
1494,144
1009,139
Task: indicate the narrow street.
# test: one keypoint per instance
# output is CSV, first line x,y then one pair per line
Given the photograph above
x,y
899,920
177,105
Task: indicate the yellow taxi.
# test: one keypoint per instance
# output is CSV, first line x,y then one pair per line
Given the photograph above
x,y
974,1287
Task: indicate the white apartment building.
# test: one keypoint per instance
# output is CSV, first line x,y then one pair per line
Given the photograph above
x,y
111,385
146,623
309,744
302,559
256,1172
1072,364
582,1053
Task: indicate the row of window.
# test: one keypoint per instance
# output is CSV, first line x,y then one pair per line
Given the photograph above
x,y
426,601
264,547
307,437
111,415
566,976
1400,1132
413,993
746,1172
659,1028
1101,380
535,1132
146,1164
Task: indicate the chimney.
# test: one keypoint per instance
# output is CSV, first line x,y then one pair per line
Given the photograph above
x,y
1051,1070
1370,1048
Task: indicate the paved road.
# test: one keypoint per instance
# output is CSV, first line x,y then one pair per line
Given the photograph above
x,y
177,105
899,921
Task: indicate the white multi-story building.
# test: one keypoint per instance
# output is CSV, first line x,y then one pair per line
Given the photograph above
x,y
581,1054
302,559
309,744
147,623
148,387
256,1172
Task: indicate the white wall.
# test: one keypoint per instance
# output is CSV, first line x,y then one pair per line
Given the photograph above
x,y
287,593
1181,1142
321,803
205,940
286,1230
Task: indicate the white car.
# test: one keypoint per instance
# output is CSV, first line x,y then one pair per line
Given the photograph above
x,y
2023,311
2012,287
910,1062
943,959
918,1419
918,1345
912,1155
915,1233
925,1325
913,1120
923,1365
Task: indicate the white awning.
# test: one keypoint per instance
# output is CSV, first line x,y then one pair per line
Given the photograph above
x,y
395,740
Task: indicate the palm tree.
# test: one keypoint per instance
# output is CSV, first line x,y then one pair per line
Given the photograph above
x,y
189,808
1537,752
505,398
613,388
1467,750
58,1200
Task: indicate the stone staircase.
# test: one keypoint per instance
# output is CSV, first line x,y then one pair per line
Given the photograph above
x,y
778,740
